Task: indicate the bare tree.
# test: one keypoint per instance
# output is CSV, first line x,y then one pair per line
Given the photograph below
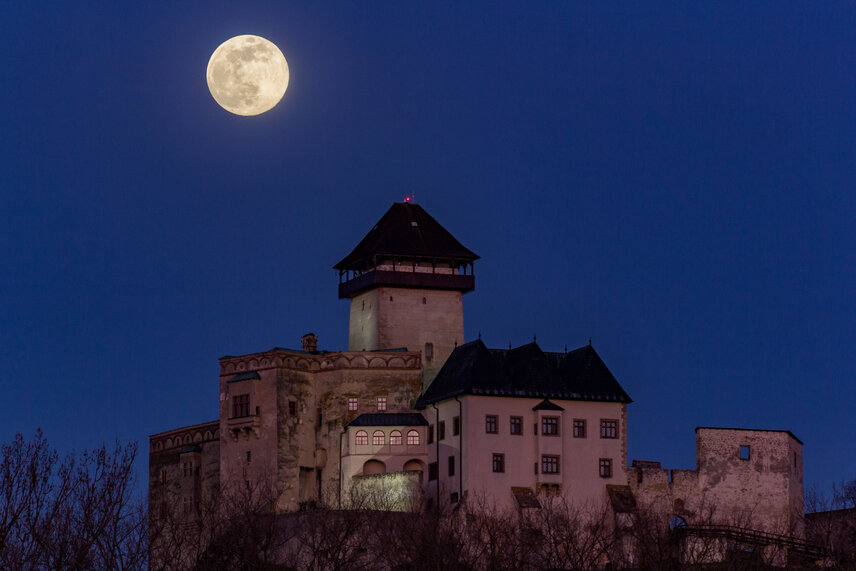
x,y
73,513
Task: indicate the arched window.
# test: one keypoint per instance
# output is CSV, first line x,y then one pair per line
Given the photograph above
x,y
678,523
362,437
412,437
378,438
395,437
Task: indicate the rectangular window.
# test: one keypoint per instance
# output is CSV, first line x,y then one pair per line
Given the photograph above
x,y
433,472
490,424
163,476
516,425
441,430
549,464
499,462
608,428
241,406
451,465
429,351
579,428
430,434
456,426
550,426
353,404
744,452
606,468
381,404
249,456
292,408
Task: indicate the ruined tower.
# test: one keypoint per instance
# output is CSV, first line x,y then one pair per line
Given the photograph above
x,y
405,280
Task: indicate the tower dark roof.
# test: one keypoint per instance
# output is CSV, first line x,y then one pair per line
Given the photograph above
x,y
526,371
406,231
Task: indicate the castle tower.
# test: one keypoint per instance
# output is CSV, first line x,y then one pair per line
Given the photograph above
x,y
405,280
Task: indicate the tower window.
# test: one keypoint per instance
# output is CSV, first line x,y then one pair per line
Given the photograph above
x,y
292,408
249,456
744,452
241,406
353,403
424,301
429,351
381,404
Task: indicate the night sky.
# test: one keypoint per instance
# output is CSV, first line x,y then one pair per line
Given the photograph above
x,y
674,181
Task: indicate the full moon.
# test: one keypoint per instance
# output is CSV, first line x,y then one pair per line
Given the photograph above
x,y
247,75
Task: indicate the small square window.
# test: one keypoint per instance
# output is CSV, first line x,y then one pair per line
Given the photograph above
x,y
499,462
550,426
456,426
608,428
606,467
516,425
744,452
490,424
381,404
353,403
579,428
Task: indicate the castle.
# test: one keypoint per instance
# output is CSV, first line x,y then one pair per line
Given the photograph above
x,y
411,411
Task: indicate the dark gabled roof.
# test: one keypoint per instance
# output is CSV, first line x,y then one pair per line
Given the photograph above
x,y
407,231
244,377
390,419
547,405
527,371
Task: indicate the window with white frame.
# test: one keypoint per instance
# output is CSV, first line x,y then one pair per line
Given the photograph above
x,y
353,403
413,437
378,438
381,404
361,437
395,438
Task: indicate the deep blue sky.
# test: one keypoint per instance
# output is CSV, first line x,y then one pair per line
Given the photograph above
x,y
675,181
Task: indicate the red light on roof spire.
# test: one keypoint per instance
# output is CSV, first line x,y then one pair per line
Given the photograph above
x,y
408,198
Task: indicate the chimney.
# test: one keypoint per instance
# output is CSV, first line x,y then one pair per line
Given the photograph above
x,y
309,342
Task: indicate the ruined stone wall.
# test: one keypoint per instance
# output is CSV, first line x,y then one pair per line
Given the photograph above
x,y
762,489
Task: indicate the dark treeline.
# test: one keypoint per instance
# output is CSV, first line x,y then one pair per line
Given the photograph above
x,y
80,512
